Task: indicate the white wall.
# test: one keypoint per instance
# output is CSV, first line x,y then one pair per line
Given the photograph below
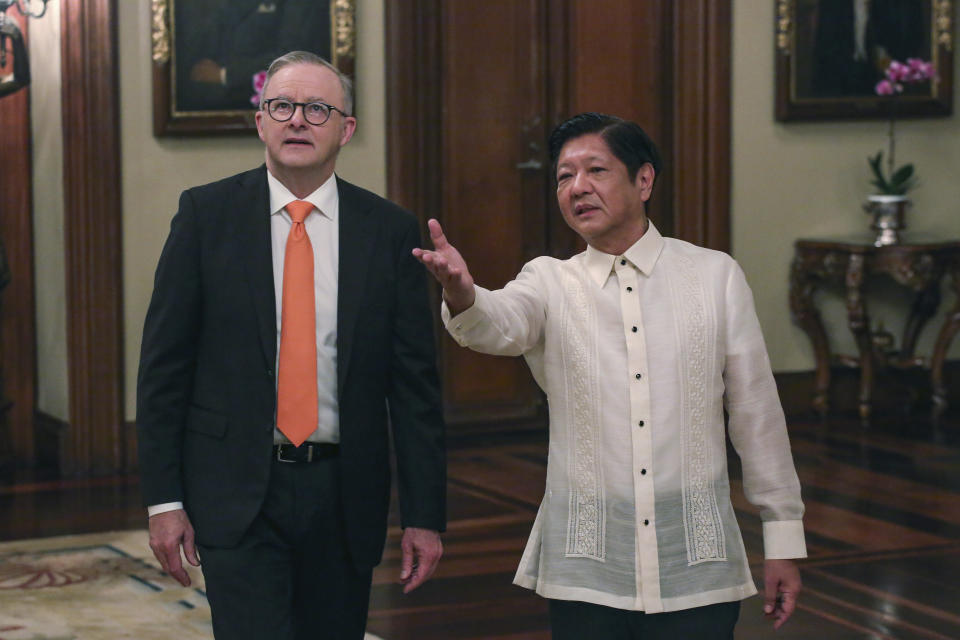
x,y
155,171
800,180
48,206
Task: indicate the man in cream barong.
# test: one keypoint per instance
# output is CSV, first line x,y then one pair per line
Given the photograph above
x,y
639,342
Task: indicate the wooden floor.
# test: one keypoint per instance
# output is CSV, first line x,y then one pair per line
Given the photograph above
x,y
882,522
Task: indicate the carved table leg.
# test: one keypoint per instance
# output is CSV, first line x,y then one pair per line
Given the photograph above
x,y
806,315
859,324
924,307
950,326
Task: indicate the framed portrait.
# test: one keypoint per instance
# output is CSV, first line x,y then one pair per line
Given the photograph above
x,y
209,56
832,54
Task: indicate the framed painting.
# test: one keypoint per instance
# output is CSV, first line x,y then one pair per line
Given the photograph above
x,y
207,55
832,54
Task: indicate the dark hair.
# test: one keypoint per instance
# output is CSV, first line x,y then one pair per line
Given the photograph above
x,y
627,141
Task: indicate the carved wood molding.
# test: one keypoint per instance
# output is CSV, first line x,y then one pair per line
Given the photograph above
x,y
701,122
93,239
17,309
413,104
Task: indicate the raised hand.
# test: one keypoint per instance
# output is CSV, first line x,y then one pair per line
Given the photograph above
x,y
449,268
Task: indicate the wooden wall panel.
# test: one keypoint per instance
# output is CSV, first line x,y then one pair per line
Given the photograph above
x,y
617,65
17,312
492,127
93,240
700,104
413,105
665,65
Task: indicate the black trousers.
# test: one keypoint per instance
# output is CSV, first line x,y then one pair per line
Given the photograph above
x,y
291,577
572,620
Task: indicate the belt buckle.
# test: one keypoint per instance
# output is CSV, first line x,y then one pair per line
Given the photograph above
x,y
280,457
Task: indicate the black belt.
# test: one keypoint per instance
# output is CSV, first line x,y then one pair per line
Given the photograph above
x,y
306,452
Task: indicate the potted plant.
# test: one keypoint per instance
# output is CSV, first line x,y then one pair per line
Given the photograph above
x,y
890,203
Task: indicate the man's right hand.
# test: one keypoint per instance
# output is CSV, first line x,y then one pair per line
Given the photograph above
x,y
168,531
449,268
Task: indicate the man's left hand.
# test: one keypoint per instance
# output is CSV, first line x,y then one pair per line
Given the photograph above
x,y
781,581
421,552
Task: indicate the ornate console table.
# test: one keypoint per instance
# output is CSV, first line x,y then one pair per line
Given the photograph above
x,y
920,265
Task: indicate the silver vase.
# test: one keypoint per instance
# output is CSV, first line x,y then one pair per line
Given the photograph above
x,y
889,217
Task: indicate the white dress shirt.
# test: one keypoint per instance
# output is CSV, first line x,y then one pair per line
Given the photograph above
x,y
638,354
323,230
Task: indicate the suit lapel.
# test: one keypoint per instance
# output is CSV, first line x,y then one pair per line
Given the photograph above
x,y
358,233
252,209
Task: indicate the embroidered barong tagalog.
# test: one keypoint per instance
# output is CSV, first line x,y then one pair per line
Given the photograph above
x,y
587,512
694,326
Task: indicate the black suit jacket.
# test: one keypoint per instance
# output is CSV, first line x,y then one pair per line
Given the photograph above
x,y
206,392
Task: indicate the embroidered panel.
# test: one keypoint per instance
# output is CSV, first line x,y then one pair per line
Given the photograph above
x,y
586,519
695,327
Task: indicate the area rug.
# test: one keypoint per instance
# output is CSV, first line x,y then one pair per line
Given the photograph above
x,y
104,586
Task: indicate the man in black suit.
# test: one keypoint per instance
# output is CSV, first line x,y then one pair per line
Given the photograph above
x,y
288,535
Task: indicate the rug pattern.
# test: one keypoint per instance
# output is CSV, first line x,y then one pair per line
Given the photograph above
x,y
97,587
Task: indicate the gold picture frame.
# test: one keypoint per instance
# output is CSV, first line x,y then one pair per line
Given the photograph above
x,y
831,53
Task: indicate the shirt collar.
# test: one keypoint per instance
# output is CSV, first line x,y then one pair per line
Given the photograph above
x,y
326,198
643,254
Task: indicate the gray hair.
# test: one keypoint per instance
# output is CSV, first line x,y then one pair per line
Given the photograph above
x,y
306,57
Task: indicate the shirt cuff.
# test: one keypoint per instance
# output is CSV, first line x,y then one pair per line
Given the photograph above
x,y
457,326
157,509
783,540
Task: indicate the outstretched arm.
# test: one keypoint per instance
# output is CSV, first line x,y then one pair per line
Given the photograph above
x,y
449,268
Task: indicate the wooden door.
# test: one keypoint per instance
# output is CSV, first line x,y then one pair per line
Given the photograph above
x,y
475,86
492,180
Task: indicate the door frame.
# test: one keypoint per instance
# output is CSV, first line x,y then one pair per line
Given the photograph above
x,y
697,86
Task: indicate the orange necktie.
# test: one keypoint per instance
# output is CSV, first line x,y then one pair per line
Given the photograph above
x,y
297,375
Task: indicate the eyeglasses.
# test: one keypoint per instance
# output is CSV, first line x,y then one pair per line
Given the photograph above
x,y
316,113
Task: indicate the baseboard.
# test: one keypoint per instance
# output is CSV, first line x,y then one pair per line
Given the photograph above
x,y
893,390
